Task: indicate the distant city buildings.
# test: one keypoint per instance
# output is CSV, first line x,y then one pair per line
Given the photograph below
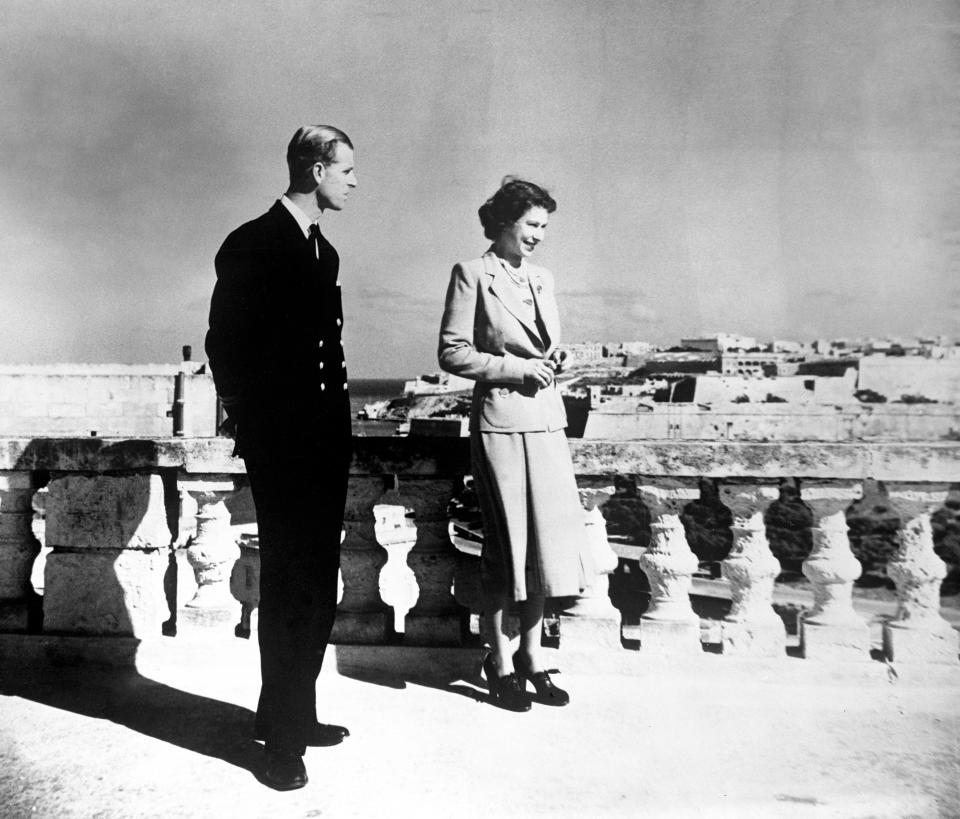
x,y
732,387
436,384
720,343
722,386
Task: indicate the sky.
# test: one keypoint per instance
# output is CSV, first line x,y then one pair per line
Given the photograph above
x,y
774,168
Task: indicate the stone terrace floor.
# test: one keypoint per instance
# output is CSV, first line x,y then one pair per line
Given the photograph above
x,y
704,736
700,736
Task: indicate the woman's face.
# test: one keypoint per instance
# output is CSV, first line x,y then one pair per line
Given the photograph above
x,y
520,239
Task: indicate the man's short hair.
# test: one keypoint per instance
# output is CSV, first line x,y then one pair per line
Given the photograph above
x,y
312,144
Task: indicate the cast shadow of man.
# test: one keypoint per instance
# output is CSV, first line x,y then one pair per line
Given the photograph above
x,y
190,721
91,587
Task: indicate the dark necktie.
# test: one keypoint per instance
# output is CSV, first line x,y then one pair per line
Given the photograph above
x,y
315,239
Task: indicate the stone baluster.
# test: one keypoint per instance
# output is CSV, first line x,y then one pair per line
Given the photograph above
x,y
918,633
362,616
436,618
18,550
833,630
212,551
110,539
592,619
245,583
397,534
670,624
752,626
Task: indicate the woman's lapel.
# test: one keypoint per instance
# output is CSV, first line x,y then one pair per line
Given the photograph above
x,y
507,292
547,307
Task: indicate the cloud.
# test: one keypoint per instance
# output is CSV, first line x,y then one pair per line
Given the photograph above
x,y
608,313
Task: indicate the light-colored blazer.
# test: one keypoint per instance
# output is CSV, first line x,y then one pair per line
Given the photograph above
x,y
485,336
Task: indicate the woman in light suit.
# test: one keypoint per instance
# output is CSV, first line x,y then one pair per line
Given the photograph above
x,y
500,327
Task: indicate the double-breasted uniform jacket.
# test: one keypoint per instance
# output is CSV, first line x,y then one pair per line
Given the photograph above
x,y
486,335
275,340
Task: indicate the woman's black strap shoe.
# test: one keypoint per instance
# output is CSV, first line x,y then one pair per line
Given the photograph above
x,y
506,692
547,692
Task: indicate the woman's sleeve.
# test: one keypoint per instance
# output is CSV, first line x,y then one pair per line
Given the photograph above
x,y
457,353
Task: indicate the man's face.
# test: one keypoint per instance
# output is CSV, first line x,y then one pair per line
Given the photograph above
x,y
336,179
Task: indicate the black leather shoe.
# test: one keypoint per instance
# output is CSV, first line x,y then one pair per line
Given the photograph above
x,y
547,692
322,736
505,692
284,770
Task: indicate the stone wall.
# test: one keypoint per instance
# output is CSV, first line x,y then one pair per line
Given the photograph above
x,y
103,400
618,419
896,376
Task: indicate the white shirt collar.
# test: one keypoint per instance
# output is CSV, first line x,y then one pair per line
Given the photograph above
x,y
297,214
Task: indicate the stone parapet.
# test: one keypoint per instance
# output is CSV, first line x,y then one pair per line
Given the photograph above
x,y
934,462
126,515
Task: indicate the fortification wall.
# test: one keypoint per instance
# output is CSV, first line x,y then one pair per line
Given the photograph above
x,y
775,422
106,400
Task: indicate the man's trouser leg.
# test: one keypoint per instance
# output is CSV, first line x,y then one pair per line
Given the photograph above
x,y
299,518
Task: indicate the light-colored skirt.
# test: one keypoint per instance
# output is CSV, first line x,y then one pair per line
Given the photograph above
x,y
533,524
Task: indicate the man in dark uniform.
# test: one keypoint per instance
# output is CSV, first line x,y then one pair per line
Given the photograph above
x,y
276,353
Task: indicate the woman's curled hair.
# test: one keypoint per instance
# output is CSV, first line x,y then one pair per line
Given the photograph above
x,y
507,205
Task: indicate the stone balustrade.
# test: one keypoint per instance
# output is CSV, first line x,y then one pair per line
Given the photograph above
x,y
124,516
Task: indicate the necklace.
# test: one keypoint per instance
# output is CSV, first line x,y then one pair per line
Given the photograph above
x,y
516,276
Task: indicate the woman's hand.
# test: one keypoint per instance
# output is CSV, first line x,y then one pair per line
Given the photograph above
x,y
538,371
561,360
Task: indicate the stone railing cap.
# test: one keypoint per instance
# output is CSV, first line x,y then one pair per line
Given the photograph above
x,y
927,462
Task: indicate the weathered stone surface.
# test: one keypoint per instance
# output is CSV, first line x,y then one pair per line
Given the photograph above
x,y
434,574
466,582
437,618
938,644
245,575
433,629
11,482
365,628
831,567
409,662
14,616
732,459
213,550
15,526
583,632
107,512
108,592
752,626
360,564
427,498
18,547
754,639
425,456
363,493
835,642
666,637
245,584
669,563
16,563
918,633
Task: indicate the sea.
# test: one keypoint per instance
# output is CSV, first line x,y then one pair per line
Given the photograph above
x,y
366,391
